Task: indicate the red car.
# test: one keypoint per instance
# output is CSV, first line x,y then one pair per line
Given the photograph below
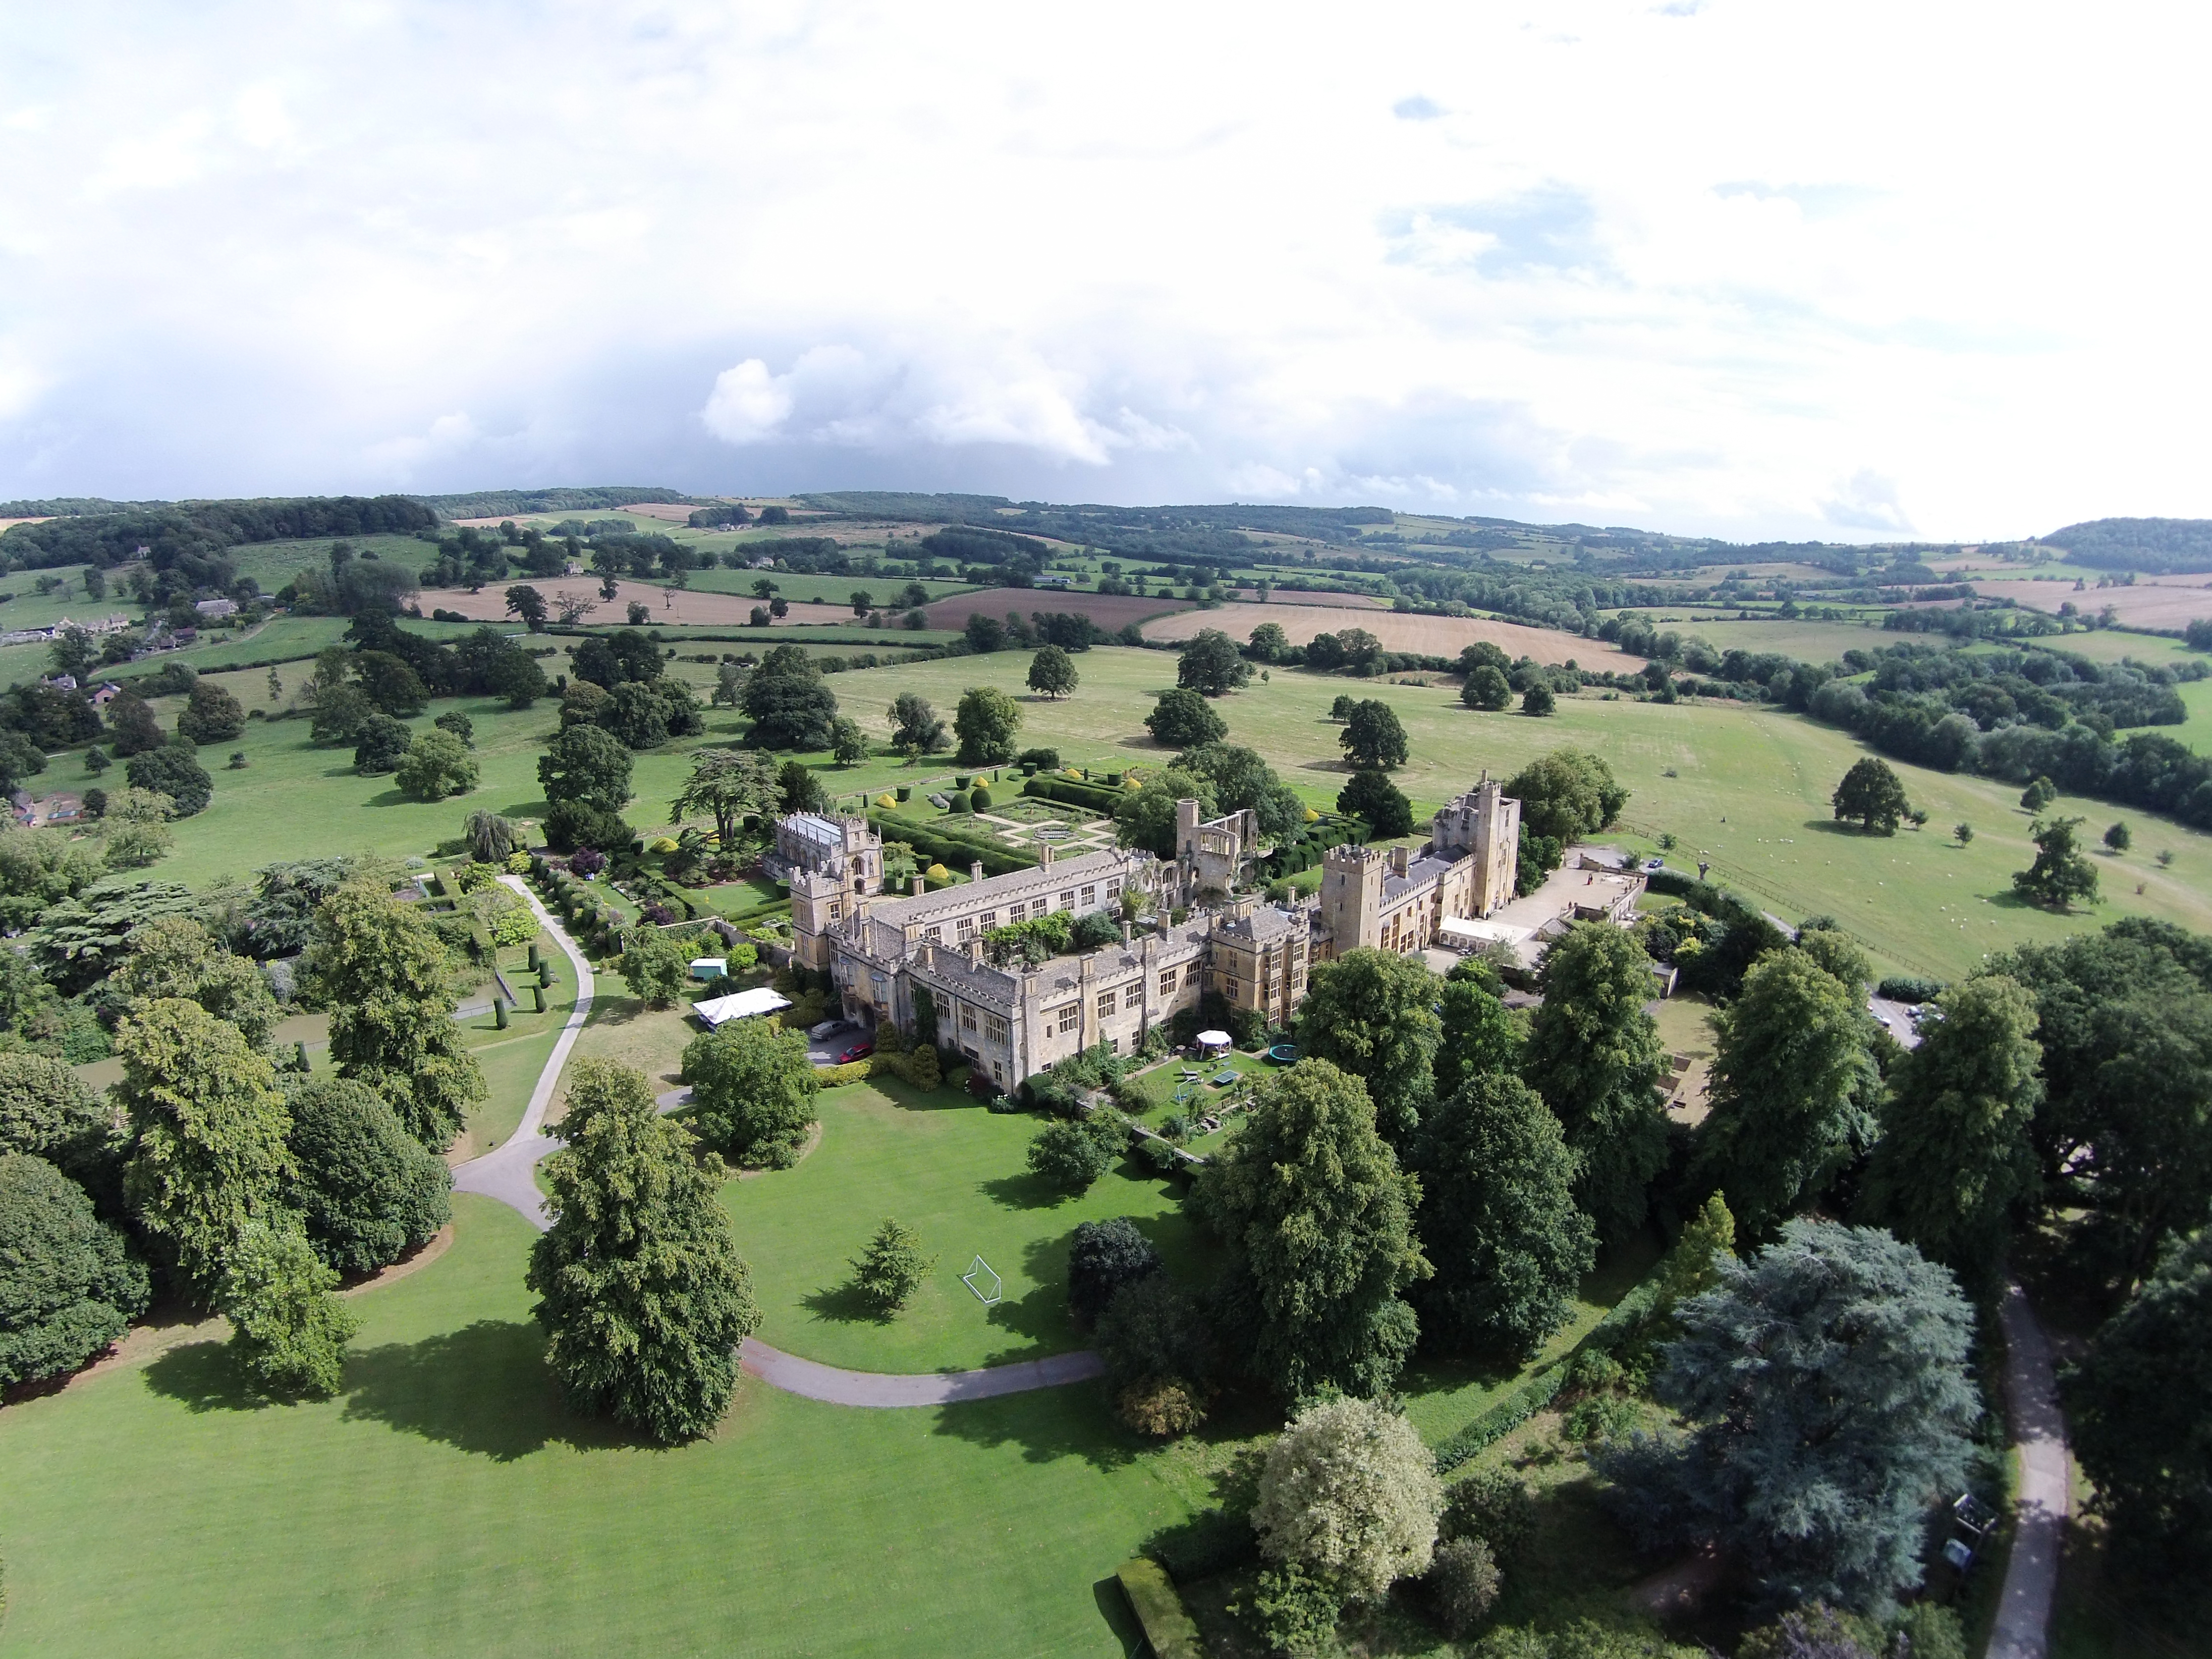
x,y
853,1051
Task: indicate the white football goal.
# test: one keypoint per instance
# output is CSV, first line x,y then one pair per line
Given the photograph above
x,y
980,1279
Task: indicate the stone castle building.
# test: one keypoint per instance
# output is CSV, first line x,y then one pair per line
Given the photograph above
x,y
891,955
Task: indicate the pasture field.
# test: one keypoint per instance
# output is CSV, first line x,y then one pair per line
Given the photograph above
x,y
1433,637
446,1502
275,563
1750,793
1749,790
1808,641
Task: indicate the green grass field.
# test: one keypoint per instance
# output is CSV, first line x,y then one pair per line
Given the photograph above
x,y
1749,792
447,1503
947,1167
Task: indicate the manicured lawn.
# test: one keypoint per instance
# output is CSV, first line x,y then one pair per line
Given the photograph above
x,y
946,1166
447,1503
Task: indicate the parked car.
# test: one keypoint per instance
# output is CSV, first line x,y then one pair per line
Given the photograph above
x,y
828,1028
857,1050
1651,865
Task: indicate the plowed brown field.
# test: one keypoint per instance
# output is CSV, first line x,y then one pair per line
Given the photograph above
x,y
1431,636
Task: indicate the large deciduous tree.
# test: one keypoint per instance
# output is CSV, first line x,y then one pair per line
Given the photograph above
x,y
386,981
2059,874
1594,1055
175,956
1956,1160
1373,1013
986,722
287,1330
2142,1406
752,1091
1211,663
1372,797
1104,1258
1147,818
642,1294
1477,1036
1871,796
1373,739
790,704
1350,1494
1793,1078
366,1191
1499,1218
2124,1019
1183,718
47,1111
69,1285
916,728
1567,795
1317,1221
1826,1383
172,770
1052,671
212,715
208,1127
1243,782
656,966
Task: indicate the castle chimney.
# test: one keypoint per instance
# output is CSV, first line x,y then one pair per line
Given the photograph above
x,y
1399,858
976,871
1045,849
975,951
920,886
1125,933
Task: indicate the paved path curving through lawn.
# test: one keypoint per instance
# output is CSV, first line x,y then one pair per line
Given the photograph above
x,y
2039,1513
508,1173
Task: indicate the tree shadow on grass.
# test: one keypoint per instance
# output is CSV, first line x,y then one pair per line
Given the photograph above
x,y
1072,1420
484,1388
844,1304
204,1376
1837,827
1025,1191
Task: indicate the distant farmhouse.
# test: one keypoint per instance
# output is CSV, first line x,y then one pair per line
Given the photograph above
x,y
113,624
886,951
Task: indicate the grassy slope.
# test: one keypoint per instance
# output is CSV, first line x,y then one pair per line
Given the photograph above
x,y
447,1503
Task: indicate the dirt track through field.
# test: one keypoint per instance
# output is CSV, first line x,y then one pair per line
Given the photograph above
x,y
1433,636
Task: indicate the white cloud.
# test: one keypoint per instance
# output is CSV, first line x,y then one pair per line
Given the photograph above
x,y
260,248
748,404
